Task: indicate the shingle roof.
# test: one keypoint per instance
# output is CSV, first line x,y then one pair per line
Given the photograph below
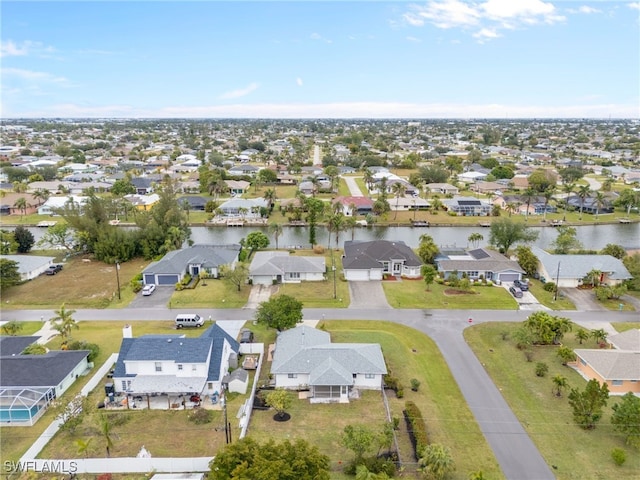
x,y
613,364
280,263
46,370
10,346
629,340
578,266
369,254
209,256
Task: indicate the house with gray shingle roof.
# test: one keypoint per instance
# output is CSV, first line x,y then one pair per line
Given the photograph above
x,y
305,357
29,383
174,365
618,367
365,261
477,262
194,260
272,267
570,270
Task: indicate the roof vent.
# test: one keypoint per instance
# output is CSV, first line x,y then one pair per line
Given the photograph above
x,y
168,340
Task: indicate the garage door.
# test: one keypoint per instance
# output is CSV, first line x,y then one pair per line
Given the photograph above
x,y
509,277
149,279
167,279
356,275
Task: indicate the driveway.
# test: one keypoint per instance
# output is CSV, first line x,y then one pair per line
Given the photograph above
x,y
354,189
369,295
584,300
259,294
160,298
528,300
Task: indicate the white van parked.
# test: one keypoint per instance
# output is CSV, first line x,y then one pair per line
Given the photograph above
x,y
189,320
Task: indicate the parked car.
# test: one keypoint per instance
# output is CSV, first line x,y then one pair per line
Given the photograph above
x,y
53,269
246,336
521,284
148,289
516,292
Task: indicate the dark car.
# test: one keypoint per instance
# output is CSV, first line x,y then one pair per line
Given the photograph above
x,y
516,292
521,284
246,336
53,269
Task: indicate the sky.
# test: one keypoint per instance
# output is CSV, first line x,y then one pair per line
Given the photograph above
x,y
320,59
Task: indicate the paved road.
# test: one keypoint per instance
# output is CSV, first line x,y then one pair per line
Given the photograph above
x,y
513,448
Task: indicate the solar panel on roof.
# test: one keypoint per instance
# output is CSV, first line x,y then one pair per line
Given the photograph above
x,y
479,254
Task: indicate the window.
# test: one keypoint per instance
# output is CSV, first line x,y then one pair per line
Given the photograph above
x,y
179,366
124,385
294,274
369,376
617,383
210,385
292,375
158,367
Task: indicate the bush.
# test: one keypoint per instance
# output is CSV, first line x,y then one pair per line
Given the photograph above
x,y
416,427
415,384
619,456
200,416
541,369
319,249
549,287
93,348
374,465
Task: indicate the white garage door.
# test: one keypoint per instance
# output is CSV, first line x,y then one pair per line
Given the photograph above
x,y
509,277
357,275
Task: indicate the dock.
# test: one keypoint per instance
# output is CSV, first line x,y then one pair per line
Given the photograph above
x,y
46,223
419,223
624,220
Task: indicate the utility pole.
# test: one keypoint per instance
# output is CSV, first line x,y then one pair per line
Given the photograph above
x,y
118,277
333,267
555,295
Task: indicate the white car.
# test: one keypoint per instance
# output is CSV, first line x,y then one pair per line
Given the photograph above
x,y
148,289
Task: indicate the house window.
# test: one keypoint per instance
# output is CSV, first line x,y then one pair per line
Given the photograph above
x,y
124,385
179,366
385,267
210,385
369,376
617,383
292,375
158,367
294,275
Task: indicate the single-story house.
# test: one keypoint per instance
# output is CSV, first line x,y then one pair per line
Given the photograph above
x,y
193,260
175,365
30,266
468,206
590,204
570,270
363,205
490,264
53,204
618,367
8,204
193,202
143,202
237,187
486,187
442,188
472,176
406,203
272,267
371,260
243,207
143,185
29,383
245,169
305,358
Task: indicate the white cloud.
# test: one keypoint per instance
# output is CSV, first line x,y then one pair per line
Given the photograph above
x,y
634,5
341,110
320,38
299,81
489,16
588,10
414,39
240,92
9,48
33,76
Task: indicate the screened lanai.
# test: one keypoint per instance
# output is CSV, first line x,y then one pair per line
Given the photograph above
x,y
22,406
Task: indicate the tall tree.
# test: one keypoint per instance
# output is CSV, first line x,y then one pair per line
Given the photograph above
x,y
474,239
429,274
64,322
315,208
505,232
427,249
24,238
529,194
236,277
398,191
587,405
568,189
583,193
275,229
599,200
22,205
257,241
566,241
9,273
626,418
359,439
281,312
527,260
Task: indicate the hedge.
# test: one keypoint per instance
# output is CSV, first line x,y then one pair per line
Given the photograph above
x,y
416,427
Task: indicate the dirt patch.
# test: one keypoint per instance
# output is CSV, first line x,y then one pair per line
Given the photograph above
x,y
453,291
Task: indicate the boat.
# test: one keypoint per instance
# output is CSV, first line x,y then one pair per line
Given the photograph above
x,y
46,223
419,223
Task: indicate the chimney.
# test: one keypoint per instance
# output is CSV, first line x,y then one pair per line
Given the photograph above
x,y
127,332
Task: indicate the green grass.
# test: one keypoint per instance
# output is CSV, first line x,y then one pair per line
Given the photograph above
x,y
548,420
211,293
546,298
408,355
413,294
613,304
624,326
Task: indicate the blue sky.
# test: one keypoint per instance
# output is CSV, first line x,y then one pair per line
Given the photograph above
x,y
333,59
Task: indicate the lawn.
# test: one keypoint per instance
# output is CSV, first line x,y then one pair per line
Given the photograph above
x,y
546,298
82,283
211,293
576,453
624,326
414,294
408,355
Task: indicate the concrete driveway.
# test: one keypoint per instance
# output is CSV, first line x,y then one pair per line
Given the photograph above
x,y
259,294
528,300
584,300
160,298
367,295
354,189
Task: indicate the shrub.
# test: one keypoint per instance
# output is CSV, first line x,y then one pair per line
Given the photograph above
x,y
319,249
200,416
549,287
415,384
400,392
619,456
541,369
416,427
93,348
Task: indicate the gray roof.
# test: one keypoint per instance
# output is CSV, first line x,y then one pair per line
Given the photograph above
x,y
612,364
280,263
479,259
629,340
578,266
28,263
10,346
307,350
178,349
370,254
238,374
46,370
208,256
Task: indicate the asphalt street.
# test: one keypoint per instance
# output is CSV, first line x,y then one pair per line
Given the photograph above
x,y
513,448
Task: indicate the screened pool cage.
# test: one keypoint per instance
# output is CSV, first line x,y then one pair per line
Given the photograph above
x,y
22,406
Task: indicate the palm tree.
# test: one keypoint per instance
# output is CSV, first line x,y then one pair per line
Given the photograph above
x,y
275,229
559,383
105,430
368,178
599,335
83,446
63,321
599,200
582,335
548,195
41,194
436,461
528,195
353,208
270,196
398,190
337,225
21,204
568,190
475,239
583,193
